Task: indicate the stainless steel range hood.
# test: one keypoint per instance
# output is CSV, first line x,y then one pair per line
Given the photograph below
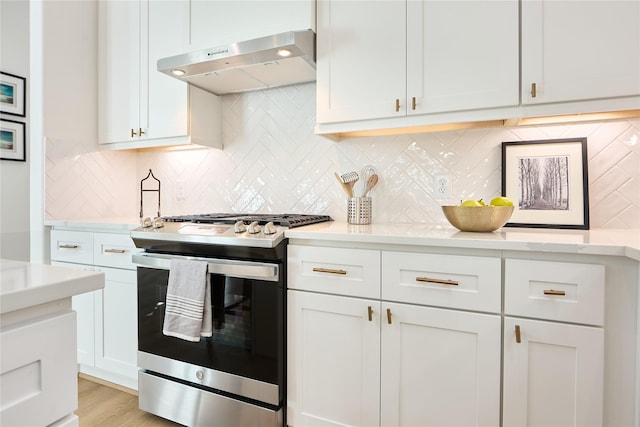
x,y
249,65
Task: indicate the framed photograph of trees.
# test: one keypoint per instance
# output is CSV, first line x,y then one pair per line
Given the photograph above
x,y
548,183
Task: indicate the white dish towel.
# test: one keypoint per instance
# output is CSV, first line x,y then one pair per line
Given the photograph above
x,y
188,306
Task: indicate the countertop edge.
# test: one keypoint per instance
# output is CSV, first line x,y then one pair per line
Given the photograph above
x,y
624,243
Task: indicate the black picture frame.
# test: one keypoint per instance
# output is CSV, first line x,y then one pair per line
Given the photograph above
x,y
12,141
13,94
548,183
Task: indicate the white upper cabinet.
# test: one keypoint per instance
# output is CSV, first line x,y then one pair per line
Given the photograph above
x,y
580,50
415,58
462,55
139,107
361,63
218,22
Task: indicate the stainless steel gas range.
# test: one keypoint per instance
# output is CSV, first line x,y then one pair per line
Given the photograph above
x,y
236,376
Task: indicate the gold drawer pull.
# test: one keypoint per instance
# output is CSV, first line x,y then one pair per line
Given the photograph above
x,y
534,90
397,105
388,315
438,281
328,270
553,292
114,251
370,310
68,246
518,339
413,103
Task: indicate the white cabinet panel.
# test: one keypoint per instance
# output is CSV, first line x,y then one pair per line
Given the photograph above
x,y
361,63
440,367
333,360
354,272
554,376
72,246
117,319
38,375
563,291
461,55
580,50
114,250
452,281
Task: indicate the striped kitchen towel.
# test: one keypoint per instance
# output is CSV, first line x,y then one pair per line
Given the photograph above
x,y
188,307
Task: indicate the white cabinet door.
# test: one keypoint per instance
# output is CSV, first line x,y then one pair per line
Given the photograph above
x,y
83,305
119,65
361,63
116,316
580,50
333,360
439,367
554,376
461,55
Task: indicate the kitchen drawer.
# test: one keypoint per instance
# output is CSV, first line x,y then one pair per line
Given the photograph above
x,y
451,281
113,250
351,272
72,246
564,291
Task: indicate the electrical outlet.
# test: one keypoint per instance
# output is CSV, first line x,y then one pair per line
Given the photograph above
x,y
441,186
181,190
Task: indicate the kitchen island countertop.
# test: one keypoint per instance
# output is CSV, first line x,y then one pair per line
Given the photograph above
x,y
24,284
614,242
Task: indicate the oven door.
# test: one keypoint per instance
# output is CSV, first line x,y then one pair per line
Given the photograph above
x,y
245,354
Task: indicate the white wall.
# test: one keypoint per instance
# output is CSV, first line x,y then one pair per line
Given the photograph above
x,y
14,176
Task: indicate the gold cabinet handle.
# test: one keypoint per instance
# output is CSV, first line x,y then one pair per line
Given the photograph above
x,y
67,246
413,103
140,132
397,105
518,338
370,313
388,315
438,281
114,251
553,292
328,270
533,90
133,133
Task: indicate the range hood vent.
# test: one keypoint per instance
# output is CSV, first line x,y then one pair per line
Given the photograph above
x,y
250,65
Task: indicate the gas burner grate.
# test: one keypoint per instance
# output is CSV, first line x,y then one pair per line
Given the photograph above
x,y
284,220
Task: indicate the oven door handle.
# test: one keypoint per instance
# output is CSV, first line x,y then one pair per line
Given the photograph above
x,y
231,268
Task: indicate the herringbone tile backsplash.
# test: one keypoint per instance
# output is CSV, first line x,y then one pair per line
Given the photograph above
x,y
273,162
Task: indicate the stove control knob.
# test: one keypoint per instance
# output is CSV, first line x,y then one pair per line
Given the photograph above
x,y
157,222
269,228
239,227
200,375
254,228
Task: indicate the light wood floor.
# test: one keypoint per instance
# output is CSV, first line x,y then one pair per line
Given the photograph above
x,y
105,406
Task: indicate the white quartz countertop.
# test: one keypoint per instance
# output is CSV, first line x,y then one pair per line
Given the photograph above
x,y
107,225
622,242
24,284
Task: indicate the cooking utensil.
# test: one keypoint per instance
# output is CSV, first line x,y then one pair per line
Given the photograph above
x,y
365,174
350,179
371,182
345,187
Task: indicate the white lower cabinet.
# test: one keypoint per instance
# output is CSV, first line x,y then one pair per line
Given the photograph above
x,y
364,361
553,372
439,367
333,360
554,375
107,319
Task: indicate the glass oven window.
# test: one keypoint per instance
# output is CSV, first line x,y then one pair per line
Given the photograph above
x,y
247,316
